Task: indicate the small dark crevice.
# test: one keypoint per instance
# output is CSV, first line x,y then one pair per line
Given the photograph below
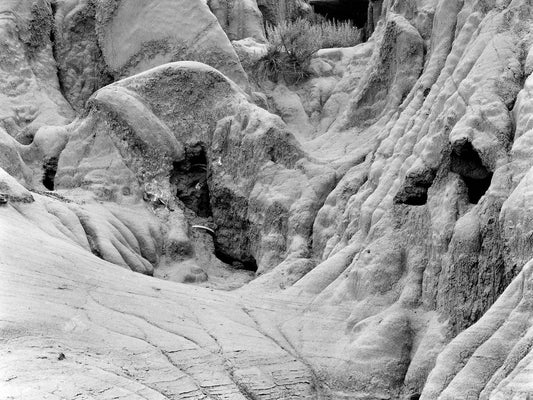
x,y
91,238
272,154
190,179
248,264
414,191
53,7
465,161
49,172
404,96
477,188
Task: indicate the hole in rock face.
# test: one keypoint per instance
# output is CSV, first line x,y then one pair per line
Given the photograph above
x,y
49,172
234,231
413,196
477,188
343,10
466,162
190,178
248,264
414,191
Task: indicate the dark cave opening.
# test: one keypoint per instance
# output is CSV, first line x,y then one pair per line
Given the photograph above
x,y
49,172
466,162
414,191
247,264
343,10
190,179
477,188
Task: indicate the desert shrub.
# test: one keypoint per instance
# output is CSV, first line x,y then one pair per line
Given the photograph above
x,y
339,34
291,44
294,39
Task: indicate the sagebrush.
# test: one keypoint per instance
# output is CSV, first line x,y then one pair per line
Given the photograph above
x,y
294,39
291,45
339,34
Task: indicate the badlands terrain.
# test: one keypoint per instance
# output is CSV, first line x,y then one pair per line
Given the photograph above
x,y
171,228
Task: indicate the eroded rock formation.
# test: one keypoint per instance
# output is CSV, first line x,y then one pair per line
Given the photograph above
x,y
368,236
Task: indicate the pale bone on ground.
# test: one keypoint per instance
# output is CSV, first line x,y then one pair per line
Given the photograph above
x,y
365,330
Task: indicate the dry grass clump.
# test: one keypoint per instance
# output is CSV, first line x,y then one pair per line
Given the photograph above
x,y
291,44
339,34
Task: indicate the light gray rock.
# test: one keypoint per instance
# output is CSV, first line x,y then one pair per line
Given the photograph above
x,y
389,218
30,95
97,42
240,19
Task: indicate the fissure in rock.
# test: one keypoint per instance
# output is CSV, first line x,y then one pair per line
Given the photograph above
x,y
190,179
49,172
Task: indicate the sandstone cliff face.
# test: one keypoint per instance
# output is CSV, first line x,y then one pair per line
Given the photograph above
x,y
377,229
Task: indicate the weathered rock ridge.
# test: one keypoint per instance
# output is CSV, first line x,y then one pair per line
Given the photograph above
x,y
365,234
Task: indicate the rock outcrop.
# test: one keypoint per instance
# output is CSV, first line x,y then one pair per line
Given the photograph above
x,y
30,94
373,238
101,41
240,19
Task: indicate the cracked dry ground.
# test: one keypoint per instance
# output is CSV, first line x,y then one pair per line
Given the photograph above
x,y
128,336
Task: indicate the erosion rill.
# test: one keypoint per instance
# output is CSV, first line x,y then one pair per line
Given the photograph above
x,y
173,226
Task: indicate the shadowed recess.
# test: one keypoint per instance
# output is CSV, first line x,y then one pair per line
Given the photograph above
x,y
49,172
466,162
248,264
343,10
190,178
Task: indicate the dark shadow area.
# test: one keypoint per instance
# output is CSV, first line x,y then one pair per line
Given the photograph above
x,y
466,162
477,188
268,16
414,191
49,172
248,264
233,233
190,178
343,10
